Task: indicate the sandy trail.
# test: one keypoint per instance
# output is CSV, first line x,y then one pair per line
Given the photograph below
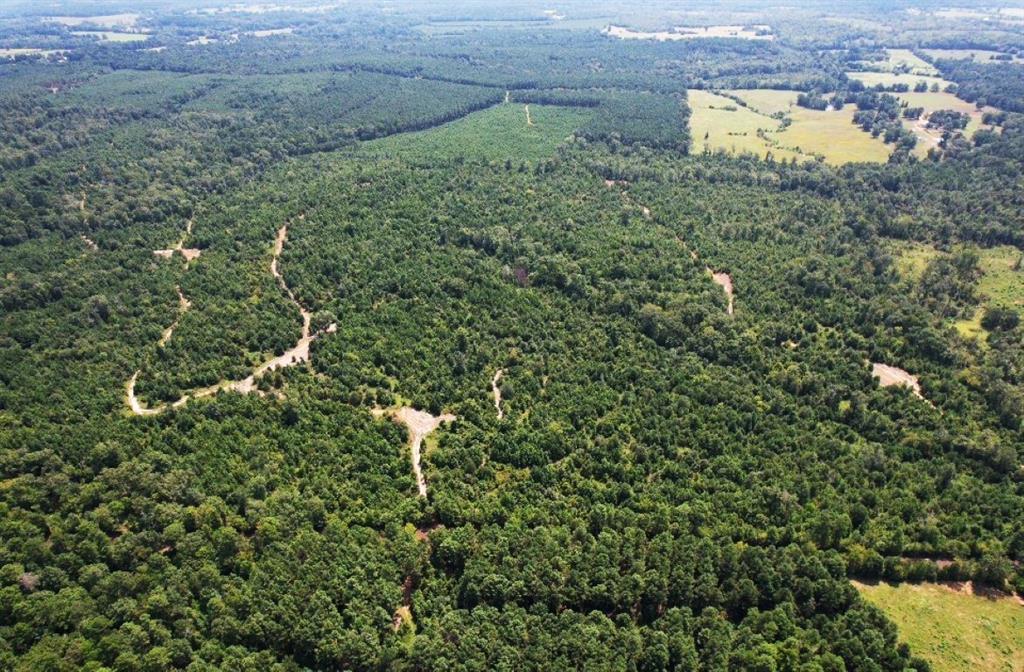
x,y
529,120
419,424
507,95
183,306
497,392
189,253
890,375
297,354
725,281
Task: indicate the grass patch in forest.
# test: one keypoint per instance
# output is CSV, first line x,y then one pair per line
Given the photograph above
x,y
1001,284
496,134
903,60
939,100
887,79
112,36
720,123
758,32
976,55
954,631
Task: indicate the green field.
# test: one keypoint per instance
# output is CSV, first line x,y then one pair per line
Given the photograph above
x,y
872,79
976,55
495,134
1000,284
720,123
940,100
903,60
954,631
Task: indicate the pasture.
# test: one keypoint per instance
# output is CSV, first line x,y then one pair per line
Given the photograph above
x,y
953,628
720,123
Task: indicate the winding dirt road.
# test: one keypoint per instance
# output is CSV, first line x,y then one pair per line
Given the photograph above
x,y
297,354
183,306
189,253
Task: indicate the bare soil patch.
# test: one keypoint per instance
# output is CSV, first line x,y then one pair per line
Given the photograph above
x,y
891,375
725,281
420,424
497,392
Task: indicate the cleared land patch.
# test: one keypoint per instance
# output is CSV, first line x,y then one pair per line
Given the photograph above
x,y
976,55
112,36
939,100
1001,284
758,32
903,60
718,122
953,628
888,79
494,134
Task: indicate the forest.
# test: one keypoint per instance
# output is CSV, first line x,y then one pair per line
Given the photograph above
x,y
428,338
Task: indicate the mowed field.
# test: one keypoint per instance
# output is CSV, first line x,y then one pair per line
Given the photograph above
x,y
1001,284
872,79
495,134
718,122
954,629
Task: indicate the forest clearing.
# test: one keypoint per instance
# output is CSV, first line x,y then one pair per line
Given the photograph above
x,y
953,627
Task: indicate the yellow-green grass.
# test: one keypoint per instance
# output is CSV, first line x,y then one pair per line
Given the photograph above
x,y
939,100
954,630
912,258
719,123
495,134
887,79
1001,284
976,55
833,135
900,59
112,36
767,101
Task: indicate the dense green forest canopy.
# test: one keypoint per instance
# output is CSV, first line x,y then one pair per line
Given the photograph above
x,y
236,239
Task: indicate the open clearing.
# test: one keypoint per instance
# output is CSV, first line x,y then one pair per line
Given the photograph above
x,y
420,424
495,134
1001,284
976,55
892,375
932,101
951,627
112,36
888,79
720,123
759,32
902,60
105,20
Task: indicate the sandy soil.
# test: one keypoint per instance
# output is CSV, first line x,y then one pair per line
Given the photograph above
x,y
90,243
725,281
497,392
507,95
890,375
419,424
183,306
189,253
297,354
529,120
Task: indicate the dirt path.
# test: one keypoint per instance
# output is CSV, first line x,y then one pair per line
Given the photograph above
x,y
297,354
529,120
183,306
497,392
189,253
890,375
419,424
507,95
725,281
